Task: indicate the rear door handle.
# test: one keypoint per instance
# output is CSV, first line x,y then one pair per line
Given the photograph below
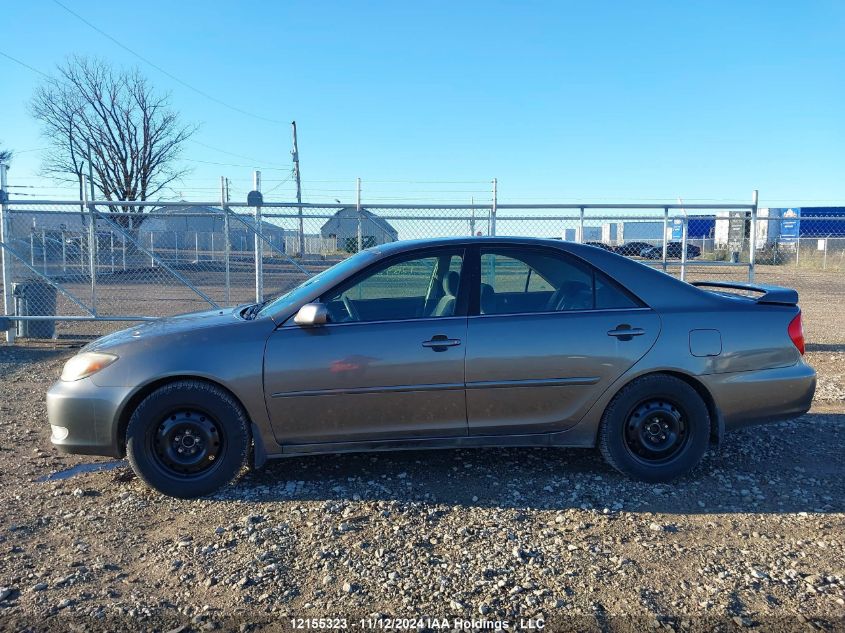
x,y
626,332
440,342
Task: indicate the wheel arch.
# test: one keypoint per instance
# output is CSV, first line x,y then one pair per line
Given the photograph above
x,y
717,424
138,396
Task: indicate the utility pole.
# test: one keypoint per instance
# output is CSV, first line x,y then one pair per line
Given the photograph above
x,y
472,216
295,154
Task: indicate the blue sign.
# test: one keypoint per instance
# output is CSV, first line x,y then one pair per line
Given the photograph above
x,y
677,229
790,226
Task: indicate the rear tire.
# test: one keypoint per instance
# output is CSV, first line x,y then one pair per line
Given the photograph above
x,y
655,429
188,439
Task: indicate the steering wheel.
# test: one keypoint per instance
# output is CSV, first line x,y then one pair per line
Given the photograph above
x,y
555,302
351,309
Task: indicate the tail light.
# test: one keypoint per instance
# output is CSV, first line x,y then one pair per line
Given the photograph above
x,y
796,332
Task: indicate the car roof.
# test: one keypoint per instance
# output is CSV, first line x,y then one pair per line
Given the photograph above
x,y
408,245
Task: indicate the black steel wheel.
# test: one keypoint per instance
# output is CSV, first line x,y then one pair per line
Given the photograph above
x,y
187,442
188,438
655,429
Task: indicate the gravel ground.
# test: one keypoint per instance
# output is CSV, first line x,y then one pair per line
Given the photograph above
x,y
754,538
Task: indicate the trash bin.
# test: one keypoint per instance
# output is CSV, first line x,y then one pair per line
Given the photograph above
x,y
34,298
734,257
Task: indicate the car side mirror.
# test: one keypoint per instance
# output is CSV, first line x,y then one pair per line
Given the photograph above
x,y
312,314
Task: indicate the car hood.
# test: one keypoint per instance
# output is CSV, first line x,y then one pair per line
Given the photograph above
x,y
166,326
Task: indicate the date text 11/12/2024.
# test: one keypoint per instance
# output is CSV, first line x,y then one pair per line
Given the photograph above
x,y
418,624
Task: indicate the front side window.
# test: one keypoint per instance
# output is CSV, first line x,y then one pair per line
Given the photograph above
x,y
515,281
412,288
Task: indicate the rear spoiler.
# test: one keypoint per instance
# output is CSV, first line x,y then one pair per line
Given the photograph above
x,y
769,294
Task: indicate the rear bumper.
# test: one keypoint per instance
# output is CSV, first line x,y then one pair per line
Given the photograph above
x,y
84,417
768,395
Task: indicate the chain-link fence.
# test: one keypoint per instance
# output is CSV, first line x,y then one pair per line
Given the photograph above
x,y
86,266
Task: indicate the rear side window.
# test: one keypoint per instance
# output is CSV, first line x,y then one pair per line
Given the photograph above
x,y
519,281
609,296
515,281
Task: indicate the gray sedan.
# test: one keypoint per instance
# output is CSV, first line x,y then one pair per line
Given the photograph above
x,y
467,342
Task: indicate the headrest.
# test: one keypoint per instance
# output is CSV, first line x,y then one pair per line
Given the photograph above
x,y
451,282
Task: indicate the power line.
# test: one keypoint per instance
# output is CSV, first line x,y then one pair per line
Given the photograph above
x,y
209,162
163,71
25,65
281,182
413,182
223,151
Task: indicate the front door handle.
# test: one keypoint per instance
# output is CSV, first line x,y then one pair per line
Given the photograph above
x,y
440,342
625,332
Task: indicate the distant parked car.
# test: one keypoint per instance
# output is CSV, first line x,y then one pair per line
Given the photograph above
x,y
633,249
600,245
673,251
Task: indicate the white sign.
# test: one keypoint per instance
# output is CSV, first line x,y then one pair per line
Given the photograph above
x,y
822,245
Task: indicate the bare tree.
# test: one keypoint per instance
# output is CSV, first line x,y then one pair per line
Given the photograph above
x,y
5,155
134,136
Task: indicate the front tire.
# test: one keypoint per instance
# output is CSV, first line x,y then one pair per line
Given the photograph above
x,y
655,429
188,439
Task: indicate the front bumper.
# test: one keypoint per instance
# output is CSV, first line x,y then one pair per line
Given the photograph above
x,y
767,395
84,417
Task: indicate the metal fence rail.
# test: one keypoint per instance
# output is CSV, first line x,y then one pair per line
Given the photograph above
x,y
109,263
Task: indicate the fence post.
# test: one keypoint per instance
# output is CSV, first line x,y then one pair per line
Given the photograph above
x,y
493,208
176,244
684,249
32,247
824,259
5,237
44,249
259,242
196,247
64,253
152,250
123,248
665,232
752,252
223,201
92,244
581,227
111,249
358,208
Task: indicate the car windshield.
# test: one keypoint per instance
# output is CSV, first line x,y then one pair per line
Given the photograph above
x,y
332,275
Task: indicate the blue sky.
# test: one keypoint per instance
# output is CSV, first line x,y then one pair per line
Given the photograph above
x,y
430,100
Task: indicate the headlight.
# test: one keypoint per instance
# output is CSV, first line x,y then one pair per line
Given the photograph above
x,y
84,365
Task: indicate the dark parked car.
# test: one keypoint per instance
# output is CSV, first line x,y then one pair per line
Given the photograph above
x,y
633,249
462,342
600,245
673,251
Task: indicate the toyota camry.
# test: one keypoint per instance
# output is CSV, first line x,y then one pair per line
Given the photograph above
x,y
455,342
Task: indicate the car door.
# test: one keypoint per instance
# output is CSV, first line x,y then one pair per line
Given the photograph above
x,y
389,364
549,335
